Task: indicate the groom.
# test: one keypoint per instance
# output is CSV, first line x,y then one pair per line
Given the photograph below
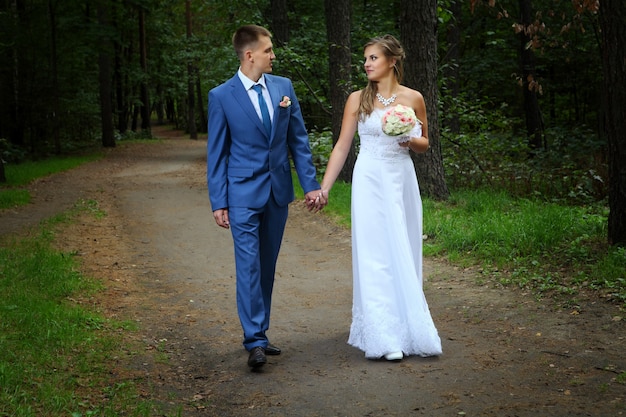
x,y
255,123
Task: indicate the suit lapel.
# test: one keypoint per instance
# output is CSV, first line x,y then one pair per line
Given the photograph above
x,y
274,91
241,96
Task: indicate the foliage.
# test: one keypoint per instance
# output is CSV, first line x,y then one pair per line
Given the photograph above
x,y
130,136
491,105
563,38
321,147
11,153
46,100
572,169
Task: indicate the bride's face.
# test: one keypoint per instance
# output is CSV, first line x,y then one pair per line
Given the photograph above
x,y
377,65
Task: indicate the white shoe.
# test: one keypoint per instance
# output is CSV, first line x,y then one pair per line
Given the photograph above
x,y
394,356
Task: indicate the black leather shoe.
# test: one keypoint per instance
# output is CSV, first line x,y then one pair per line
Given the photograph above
x,y
257,357
272,350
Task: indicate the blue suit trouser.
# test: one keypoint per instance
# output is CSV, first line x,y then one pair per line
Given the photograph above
x,y
257,236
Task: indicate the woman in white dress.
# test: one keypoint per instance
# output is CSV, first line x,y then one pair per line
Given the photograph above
x,y
390,315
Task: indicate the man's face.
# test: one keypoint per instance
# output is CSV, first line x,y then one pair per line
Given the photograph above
x,y
263,55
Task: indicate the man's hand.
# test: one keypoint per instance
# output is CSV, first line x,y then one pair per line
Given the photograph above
x,y
221,218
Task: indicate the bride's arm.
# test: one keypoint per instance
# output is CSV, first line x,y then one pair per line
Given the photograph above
x,y
344,143
419,144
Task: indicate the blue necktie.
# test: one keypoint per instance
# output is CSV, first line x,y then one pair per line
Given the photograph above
x,y
264,112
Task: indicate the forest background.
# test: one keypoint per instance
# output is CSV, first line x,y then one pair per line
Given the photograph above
x,y
524,97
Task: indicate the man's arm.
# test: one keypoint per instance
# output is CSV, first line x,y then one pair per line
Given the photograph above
x,y
217,153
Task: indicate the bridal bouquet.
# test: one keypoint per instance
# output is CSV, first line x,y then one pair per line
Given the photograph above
x,y
399,120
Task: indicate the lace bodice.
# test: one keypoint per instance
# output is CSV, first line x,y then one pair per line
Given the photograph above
x,y
376,144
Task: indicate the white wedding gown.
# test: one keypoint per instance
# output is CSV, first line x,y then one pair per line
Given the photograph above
x,y
389,310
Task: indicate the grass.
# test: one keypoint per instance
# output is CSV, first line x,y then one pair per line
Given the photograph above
x,y
546,247
551,249
338,208
13,194
53,351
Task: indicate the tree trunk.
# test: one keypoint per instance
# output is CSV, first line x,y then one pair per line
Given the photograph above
x,y
144,97
170,111
279,21
191,104
451,61
54,116
17,129
338,18
121,109
612,18
418,32
104,79
203,115
159,107
534,123
134,118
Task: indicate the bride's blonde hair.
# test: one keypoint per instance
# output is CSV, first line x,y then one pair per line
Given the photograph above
x,y
392,49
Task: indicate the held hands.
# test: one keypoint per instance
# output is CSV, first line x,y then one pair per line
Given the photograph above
x,y
316,200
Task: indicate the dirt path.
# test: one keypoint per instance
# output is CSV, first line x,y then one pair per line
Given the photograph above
x,y
167,266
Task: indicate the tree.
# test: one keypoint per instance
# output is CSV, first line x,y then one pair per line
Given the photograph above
x,y
191,105
338,14
54,111
143,60
14,100
104,77
490,107
279,21
450,61
418,31
534,123
612,18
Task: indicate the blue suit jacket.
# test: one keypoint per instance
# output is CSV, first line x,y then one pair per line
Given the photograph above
x,y
244,165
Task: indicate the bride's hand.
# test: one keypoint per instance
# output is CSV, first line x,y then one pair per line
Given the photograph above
x,y
404,141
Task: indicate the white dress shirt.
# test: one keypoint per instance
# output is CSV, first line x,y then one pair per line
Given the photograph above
x,y
254,98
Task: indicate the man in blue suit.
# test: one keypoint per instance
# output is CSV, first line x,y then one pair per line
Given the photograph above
x,y
255,123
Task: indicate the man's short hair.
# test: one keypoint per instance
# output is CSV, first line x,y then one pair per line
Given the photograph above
x,y
247,36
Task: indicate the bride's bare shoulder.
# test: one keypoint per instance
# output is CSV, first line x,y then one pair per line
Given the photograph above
x,y
411,94
354,99
355,95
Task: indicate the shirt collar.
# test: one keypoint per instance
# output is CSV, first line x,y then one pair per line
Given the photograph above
x,y
248,83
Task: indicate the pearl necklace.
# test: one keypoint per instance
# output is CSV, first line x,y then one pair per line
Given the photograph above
x,y
385,101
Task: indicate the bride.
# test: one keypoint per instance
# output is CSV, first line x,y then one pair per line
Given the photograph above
x,y
390,315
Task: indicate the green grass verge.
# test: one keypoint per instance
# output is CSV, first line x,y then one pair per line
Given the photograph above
x,y
13,197
546,247
54,351
20,175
